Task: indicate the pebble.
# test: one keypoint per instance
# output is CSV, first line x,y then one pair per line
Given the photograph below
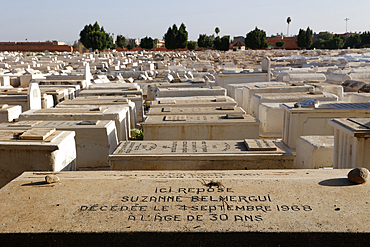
x,y
359,175
51,179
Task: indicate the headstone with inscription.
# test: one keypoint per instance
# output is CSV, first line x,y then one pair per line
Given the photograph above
x,y
195,110
41,149
189,92
201,127
119,116
314,121
201,155
198,101
186,208
95,139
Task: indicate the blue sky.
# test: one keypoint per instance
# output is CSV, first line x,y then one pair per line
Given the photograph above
x,y
40,20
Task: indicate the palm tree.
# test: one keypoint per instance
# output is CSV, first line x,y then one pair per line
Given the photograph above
x,y
217,30
288,20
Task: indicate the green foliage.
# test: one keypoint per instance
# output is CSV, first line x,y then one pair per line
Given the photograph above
x,y
304,39
221,44
365,39
217,30
205,41
256,39
318,44
131,46
334,43
280,44
325,36
121,41
192,45
182,37
147,43
92,36
353,41
176,38
137,134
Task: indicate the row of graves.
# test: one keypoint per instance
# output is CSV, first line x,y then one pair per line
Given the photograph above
x,y
236,157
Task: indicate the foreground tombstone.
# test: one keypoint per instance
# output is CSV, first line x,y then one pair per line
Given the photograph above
x,y
201,127
35,150
206,208
201,155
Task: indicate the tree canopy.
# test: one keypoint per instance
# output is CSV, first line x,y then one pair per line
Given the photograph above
x,y
92,36
217,30
176,38
353,41
205,41
121,41
221,44
147,43
304,39
256,39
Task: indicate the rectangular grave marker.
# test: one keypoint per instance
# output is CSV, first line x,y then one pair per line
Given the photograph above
x,y
259,145
221,208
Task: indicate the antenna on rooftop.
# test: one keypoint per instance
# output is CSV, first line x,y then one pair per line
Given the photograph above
x,y
346,23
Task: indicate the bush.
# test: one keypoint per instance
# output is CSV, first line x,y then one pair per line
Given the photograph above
x,y
192,45
137,134
280,44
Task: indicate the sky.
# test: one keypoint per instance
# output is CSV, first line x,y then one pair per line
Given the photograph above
x,y
41,20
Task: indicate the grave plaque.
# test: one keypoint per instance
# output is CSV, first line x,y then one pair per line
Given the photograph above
x,y
36,134
164,101
166,109
25,124
299,207
223,108
235,116
259,145
175,118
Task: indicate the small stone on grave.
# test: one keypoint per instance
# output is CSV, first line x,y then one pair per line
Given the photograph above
x,y
308,103
358,175
52,179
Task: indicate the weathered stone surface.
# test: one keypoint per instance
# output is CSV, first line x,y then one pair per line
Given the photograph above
x,y
148,204
358,175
